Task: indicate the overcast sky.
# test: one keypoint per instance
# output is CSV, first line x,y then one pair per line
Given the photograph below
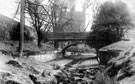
x,y
8,7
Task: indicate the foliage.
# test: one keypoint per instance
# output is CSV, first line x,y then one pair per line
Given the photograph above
x,y
15,33
110,24
9,30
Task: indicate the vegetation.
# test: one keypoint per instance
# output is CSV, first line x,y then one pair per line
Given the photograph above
x,y
10,30
15,35
110,24
46,17
35,11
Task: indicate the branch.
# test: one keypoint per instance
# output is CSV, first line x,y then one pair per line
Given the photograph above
x,y
66,23
87,4
87,25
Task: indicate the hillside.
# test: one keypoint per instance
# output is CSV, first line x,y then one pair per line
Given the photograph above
x,y
121,67
9,29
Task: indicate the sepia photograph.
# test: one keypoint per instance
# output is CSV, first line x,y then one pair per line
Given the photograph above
x,y
67,41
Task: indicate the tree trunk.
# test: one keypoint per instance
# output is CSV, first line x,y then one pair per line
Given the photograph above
x,y
22,20
39,36
56,44
39,42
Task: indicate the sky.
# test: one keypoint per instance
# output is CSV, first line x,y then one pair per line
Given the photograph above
x,y
8,7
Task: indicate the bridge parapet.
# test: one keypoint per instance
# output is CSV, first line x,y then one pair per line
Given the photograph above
x,y
68,36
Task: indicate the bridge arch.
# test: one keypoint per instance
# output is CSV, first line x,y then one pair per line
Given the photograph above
x,y
63,51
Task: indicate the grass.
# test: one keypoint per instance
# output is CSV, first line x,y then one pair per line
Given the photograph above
x,y
102,78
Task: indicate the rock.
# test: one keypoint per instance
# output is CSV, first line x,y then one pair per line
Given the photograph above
x,y
43,80
55,66
68,66
11,82
72,69
14,63
33,70
46,73
34,79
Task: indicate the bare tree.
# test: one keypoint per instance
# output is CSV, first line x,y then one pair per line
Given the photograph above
x,y
58,16
46,17
88,5
36,13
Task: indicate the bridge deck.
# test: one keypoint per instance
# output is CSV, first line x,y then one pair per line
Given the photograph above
x,y
68,36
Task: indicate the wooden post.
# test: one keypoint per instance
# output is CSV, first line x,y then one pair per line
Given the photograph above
x,y
22,23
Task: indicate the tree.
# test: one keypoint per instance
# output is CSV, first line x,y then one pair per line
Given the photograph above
x,y
110,24
35,15
90,8
22,20
58,16
45,17
61,13
36,12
